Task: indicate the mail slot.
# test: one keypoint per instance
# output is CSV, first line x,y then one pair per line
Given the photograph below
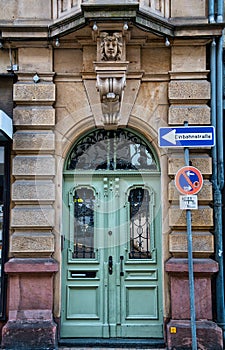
x,y
83,274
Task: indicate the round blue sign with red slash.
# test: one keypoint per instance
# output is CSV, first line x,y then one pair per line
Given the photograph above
x,y
188,180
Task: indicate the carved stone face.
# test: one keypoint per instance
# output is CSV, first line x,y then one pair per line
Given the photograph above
x,y
111,46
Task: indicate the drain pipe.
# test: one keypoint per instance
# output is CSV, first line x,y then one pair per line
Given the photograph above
x,y
211,11
220,8
219,80
216,63
218,191
220,153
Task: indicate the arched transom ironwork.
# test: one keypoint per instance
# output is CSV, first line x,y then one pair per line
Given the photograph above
x,y
111,150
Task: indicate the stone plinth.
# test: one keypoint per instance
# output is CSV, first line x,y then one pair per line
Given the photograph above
x,y
179,337
30,324
209,335
180,300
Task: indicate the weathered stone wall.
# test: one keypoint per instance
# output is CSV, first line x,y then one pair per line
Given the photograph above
x,y
189,93
33,165
189,8
25,9
165,86
33,10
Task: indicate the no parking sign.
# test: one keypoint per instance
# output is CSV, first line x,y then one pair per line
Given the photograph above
x,y
188,180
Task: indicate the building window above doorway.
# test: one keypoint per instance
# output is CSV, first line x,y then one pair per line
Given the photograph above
x,y
111,150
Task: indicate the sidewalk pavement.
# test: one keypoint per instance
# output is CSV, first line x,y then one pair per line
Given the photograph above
x,y
66,348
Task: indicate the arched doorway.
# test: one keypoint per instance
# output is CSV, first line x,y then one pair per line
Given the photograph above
x,y
111,267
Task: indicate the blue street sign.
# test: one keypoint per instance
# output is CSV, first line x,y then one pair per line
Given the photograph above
x,y
189,136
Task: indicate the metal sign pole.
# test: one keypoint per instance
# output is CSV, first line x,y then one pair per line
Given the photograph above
x,y
190,266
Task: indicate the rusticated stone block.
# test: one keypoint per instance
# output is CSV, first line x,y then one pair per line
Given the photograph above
x,y
41,141
39,190
203,243
31,92
28,242
194,115
41,117
32,216
202,162
202,218
204,195
179,337
189,90
34,165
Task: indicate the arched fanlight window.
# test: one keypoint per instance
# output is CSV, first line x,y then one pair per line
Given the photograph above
x,y
111,150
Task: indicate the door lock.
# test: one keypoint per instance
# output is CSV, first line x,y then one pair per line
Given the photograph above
x,y
110,265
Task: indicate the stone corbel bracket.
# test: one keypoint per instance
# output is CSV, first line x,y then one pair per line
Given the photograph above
x,y
111,81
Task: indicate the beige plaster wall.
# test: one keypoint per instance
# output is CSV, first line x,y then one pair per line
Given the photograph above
x,y
25,9
4,61
35,59
32,9
156,60
68,61
189,8
188,58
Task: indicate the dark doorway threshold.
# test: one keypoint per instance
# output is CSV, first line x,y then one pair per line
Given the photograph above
x,y
113,342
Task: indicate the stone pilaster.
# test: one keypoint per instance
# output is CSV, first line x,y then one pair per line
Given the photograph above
x,y
189,93
33,167
31,269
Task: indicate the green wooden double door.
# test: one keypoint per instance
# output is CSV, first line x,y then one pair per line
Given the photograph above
x,y
111,267
111,260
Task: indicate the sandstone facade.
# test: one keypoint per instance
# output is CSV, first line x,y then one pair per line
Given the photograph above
x,y
55,53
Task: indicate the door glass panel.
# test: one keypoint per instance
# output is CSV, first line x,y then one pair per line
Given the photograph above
x,y
83,223
111,150
139,224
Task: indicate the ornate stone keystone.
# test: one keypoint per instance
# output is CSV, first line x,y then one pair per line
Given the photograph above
x,y
111,76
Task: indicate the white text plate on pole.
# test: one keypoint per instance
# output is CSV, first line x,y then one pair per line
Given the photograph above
x,y
189,136
189,202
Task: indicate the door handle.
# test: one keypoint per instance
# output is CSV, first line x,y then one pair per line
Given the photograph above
x,y
121,266
110,265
